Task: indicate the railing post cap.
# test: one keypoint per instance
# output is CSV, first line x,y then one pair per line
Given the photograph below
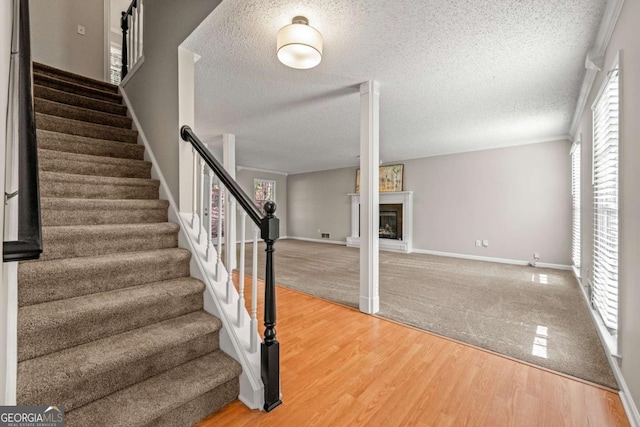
x,y
270,208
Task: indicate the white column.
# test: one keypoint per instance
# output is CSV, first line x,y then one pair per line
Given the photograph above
x,y
369,197
229,163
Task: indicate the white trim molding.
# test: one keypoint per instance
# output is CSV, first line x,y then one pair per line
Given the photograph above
x,y
332,242
491,259
240,168
607,25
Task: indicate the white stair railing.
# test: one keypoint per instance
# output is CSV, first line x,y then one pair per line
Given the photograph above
x,y
230,302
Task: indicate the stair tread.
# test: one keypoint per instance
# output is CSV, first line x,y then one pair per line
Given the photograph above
x,y
53,94
93,274
46,80
94,179
88,158
67,368
62,74
147,401
102,204
46,106
66,143
53,326
81,128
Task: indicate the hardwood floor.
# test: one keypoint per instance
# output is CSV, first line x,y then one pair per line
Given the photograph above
x,y
340,367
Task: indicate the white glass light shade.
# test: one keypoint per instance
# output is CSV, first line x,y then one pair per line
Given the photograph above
x,y
299,45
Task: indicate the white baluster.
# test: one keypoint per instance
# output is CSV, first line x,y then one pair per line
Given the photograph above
x,y
132,46
209,213
129,51
253,329
219,232
231,246
241,309
140,28
138,54
201,236
194,202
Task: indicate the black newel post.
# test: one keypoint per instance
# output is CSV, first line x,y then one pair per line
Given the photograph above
x,y
124,24
270,350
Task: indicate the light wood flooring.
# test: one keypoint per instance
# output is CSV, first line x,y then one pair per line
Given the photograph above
x,y
340,367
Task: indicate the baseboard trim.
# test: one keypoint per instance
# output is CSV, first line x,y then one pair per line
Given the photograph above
x,y
306,239
491,259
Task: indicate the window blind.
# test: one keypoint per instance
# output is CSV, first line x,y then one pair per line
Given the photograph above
x,y
575,197
605,199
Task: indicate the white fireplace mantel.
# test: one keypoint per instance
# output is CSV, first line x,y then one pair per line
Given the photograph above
x,y
400,197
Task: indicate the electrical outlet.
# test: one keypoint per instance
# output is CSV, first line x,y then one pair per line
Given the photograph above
x,y
485,243
81,30
319,231
478,243
536,256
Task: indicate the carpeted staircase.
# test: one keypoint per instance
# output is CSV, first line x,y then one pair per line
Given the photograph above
x,y
110,325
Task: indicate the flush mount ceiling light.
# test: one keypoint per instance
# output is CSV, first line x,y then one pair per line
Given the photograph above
x,y
299,45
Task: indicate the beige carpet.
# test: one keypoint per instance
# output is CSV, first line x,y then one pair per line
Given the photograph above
x,y
533,314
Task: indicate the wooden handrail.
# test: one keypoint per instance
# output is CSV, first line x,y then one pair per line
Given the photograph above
x,y
29,243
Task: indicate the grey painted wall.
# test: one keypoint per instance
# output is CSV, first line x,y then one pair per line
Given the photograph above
x,y
153,89
245,178
319,201
625,38
55,40
518,198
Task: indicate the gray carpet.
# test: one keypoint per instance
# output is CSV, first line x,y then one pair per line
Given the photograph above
x,y
532,314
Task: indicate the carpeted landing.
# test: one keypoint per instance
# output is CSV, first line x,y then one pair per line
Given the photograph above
x,y
110,325
532,314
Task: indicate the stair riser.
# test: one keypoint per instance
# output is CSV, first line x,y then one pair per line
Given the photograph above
x,y
70,112
78,100
96,191
75,89
35,278
101,322
190,413
93,168
52,217
73,78
89,130
70,246
93,387
78,145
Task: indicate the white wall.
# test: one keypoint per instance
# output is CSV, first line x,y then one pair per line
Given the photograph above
x,y
153,89
319,201
55,40
518,198
625,38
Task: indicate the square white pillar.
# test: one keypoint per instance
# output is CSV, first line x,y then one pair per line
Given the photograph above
x,y
369,196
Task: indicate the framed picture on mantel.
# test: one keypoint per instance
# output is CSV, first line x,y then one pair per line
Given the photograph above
x,y
391,178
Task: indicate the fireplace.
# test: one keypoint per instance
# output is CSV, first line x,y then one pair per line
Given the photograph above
x,y
391,221
395,225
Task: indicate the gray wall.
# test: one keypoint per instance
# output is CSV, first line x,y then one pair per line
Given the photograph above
x,y
153,89
319,201
55,40
518,198
245,178
625,38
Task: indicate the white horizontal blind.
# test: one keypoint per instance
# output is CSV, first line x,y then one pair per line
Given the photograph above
x,y
575,197
605,199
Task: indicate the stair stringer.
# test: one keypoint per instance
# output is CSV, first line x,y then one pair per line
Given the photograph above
x,y
234,340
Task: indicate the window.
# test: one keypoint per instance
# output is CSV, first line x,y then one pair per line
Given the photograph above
x,y
115,57
575,198
264,191
605,201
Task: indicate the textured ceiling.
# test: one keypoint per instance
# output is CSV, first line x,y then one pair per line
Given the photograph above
x,y
455,76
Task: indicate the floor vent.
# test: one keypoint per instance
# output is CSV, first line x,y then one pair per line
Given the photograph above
x,y
326,235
